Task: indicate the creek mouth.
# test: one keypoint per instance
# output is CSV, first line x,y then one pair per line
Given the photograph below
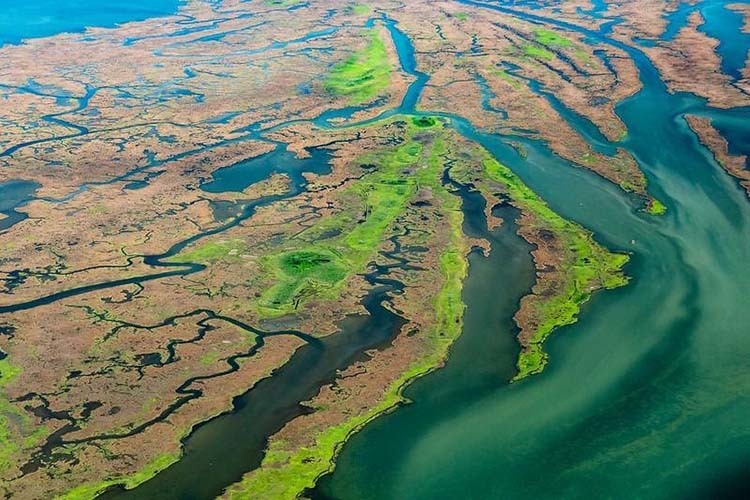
x,y
218,452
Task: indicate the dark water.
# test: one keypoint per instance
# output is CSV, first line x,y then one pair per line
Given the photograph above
x,y
219,452
20,20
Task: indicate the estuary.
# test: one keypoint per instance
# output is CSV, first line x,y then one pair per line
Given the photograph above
x,y
461,249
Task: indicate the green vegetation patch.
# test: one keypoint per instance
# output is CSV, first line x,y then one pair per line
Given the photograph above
x,y
364,75
301,273
16,430
8,413
549,37
312,266
504,75
284,473
214,251
655,207
360,9
537,52
424,121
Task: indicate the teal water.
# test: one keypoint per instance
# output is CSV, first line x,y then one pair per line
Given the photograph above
x,y
244,174
647,396
21,20
725,25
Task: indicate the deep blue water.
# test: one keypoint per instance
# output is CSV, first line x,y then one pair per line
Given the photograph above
x,y
20,20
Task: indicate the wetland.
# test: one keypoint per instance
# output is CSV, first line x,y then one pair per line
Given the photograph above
x,y
468,248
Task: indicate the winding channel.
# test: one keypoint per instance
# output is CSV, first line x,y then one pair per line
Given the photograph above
x,y
640,383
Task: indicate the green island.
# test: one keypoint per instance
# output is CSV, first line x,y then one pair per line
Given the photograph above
x,y
586,266
655,207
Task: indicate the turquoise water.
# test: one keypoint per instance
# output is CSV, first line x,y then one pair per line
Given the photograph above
x,y
244,174
725,25
20,20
